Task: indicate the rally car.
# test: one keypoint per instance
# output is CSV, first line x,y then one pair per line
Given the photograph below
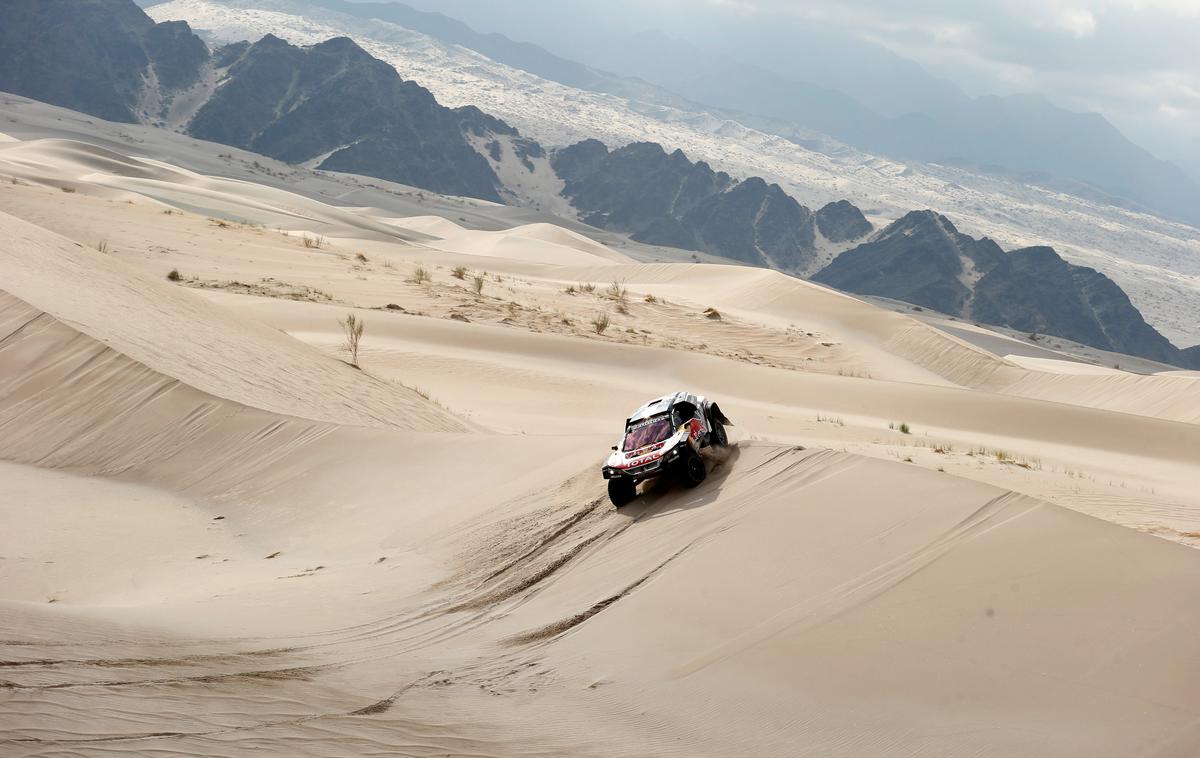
x,y
664,436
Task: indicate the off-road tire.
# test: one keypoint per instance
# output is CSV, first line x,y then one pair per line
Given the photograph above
x,y
621,491
691,470
718,437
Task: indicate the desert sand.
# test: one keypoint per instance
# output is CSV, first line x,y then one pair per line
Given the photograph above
x,y
221,539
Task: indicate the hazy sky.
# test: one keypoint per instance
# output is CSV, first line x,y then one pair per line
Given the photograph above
x,y
1135,61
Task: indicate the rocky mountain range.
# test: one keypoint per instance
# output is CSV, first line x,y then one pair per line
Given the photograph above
x,y
334,103
333,106
103,57
923,259
664,198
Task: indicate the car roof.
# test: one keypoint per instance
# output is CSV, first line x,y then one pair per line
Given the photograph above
x,y
664,404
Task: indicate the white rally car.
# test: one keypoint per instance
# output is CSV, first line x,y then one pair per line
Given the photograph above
x,y
664,435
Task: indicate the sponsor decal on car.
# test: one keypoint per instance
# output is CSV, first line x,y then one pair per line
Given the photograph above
x,y
641,461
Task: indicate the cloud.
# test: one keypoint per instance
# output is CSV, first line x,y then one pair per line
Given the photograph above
x,y
1078,21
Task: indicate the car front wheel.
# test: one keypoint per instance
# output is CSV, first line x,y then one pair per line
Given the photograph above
x,y
621,491
691,470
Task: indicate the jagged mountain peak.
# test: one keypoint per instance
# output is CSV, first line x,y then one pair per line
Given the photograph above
x,y
923,259
269,40
842,221
665,198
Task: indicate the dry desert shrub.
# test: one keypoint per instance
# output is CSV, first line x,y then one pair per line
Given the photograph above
x,y
420,276
174,275
353,327
600,323
617,292
459,272
477,282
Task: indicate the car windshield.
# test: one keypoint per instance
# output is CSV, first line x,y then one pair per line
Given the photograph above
x,y
647,433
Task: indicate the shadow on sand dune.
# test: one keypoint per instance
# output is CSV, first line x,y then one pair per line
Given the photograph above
x,y
665,496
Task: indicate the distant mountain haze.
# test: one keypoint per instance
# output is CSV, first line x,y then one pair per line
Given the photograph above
x,y
1020,135
782,68
522,55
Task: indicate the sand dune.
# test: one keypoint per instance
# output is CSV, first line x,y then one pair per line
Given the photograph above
x,y
893,346
768,613
221,539
99,171
541,243
203,347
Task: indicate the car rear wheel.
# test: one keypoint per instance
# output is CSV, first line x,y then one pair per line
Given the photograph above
x,y
691,470
621,491
718,437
